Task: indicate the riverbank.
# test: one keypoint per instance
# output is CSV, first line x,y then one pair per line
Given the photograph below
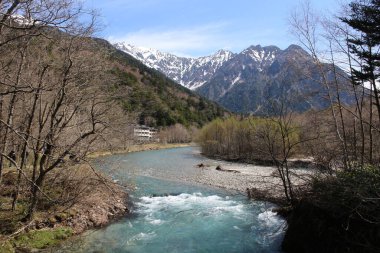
x,y
140,148
262,181
93,200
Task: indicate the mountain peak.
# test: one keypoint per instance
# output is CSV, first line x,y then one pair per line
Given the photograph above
x,y
295,50
145,51
254,48
261,48
223,52
294,47
219,57
241,82
272,48
262,55
24,21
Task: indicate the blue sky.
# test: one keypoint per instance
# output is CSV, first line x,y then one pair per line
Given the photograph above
x,y
200,27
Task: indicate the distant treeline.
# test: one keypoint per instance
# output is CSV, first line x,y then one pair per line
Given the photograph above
x,y
244,139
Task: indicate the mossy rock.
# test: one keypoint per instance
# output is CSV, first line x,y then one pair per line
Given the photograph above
x,y
40,239
72,212
9,224
52,220
6,247
61,217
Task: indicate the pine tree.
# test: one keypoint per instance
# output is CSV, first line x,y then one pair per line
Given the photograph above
x,y
364,17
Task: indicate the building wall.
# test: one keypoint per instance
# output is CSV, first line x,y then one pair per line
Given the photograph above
x,y
144,133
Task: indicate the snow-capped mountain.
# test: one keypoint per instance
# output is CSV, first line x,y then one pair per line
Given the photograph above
x,y
190,72
249,81
260,77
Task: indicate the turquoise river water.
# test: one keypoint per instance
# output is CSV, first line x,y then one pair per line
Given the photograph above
x,y
170,214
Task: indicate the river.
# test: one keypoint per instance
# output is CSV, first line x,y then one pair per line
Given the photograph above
x,y
169,213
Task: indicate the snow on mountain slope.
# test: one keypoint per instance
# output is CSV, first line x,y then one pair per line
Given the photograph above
x,y
189,72
262,56
248,81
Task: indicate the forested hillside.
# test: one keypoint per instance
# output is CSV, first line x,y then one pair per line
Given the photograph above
x,y
154,98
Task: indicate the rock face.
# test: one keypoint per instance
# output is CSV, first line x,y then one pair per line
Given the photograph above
x,y
252,81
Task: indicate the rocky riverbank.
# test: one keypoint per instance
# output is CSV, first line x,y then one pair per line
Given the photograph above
x,y
264,180
97,209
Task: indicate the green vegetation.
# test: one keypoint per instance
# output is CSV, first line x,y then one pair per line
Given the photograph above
x,y
157,100
35,239
6,247
356,190
265,140
244,139
40,239
341,214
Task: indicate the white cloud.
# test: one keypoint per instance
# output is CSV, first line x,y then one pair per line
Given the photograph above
x,y
187,41
200,40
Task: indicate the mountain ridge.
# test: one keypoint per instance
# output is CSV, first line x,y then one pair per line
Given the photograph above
x,y
246,84
193,72
187,71
248,81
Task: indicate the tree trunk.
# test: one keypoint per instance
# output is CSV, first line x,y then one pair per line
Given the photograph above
x,y
24,148
37,186
1,144
370,127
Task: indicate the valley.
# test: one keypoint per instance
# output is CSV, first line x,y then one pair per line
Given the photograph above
x,y
181,126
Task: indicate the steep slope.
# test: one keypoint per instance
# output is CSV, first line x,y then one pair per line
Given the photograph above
x,y
190,72
154,98
260,78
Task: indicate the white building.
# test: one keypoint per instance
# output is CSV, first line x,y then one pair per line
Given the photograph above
x,y
144,133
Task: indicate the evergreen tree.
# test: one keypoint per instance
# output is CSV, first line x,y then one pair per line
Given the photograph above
x,y
364,17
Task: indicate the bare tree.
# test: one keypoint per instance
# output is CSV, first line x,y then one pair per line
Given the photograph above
x,y
175,134
20,23
308,28
53,102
